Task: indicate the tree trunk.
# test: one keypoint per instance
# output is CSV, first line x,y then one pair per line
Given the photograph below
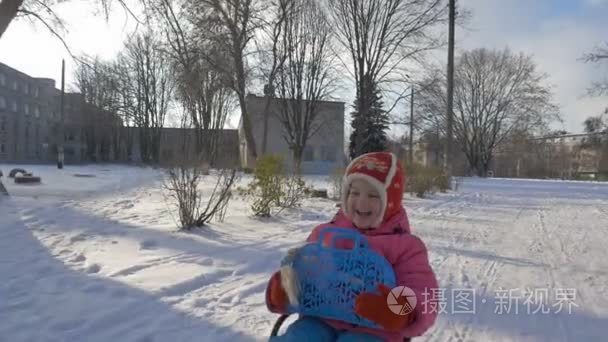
x,y
8,12
480,170
247,127
297,160
242,94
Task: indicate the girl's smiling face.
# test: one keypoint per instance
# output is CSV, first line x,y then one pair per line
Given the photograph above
x,y
363,204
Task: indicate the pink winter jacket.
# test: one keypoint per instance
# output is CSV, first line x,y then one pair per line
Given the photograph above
x,y
408,255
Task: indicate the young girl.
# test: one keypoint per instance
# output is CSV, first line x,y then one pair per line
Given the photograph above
x,y
371,203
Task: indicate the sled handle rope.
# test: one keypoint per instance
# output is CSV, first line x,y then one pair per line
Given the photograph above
x,y
277,325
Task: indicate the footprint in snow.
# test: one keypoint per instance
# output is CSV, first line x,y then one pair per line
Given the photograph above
x,y
207,262
120,293
126,204
93,268
201,303
79,258
78,238
147,338
148,244
67,325
94,288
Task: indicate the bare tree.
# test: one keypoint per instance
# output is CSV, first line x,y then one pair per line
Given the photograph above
x,y
150,91
306,76
381,36
201,87
98,82
272,56
596,127
597,140
228,26
42,11
35,10
494,92
599,54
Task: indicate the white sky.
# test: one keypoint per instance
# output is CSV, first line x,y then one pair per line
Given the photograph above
x,y
555,32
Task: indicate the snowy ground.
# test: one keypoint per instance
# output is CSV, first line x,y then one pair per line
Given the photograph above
x,y
99,259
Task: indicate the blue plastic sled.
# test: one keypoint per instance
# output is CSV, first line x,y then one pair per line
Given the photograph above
x,y
330,278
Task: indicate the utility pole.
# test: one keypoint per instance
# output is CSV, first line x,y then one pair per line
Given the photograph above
x,y
60,142
450,91
411,154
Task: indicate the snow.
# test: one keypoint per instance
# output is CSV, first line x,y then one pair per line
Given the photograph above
x,y
99,258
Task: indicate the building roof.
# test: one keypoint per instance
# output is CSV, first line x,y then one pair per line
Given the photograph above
x,y
569,136
278,98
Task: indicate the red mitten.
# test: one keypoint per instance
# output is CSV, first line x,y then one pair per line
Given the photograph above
x,y
375,308
276,297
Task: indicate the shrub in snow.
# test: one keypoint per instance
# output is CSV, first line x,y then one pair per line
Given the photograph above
x,y
319,193
271,189
196,208
422,180
335,181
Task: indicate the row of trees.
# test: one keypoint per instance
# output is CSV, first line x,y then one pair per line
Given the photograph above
x,y
217,51
496,92
137,86
201,59
502,105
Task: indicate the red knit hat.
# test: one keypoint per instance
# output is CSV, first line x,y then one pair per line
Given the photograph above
x,y
383,171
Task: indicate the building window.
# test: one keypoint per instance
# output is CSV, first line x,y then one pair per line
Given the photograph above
x,y
2,80
26,109
168,155
328,153
37,145
14,106
2,102
69,151
2,148
37,111
70,136
15,85
26,89
36,91
309,153
27,139
3,124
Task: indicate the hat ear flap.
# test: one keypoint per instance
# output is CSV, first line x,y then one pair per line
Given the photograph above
x,y
344,195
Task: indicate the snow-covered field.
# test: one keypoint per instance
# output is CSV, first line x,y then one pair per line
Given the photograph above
x,y
99,259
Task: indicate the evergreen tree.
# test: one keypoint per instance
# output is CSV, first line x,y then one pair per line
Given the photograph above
x,y
369,122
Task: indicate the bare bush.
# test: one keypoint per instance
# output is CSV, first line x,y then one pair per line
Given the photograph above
x,y
293,191
335,181
195,206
